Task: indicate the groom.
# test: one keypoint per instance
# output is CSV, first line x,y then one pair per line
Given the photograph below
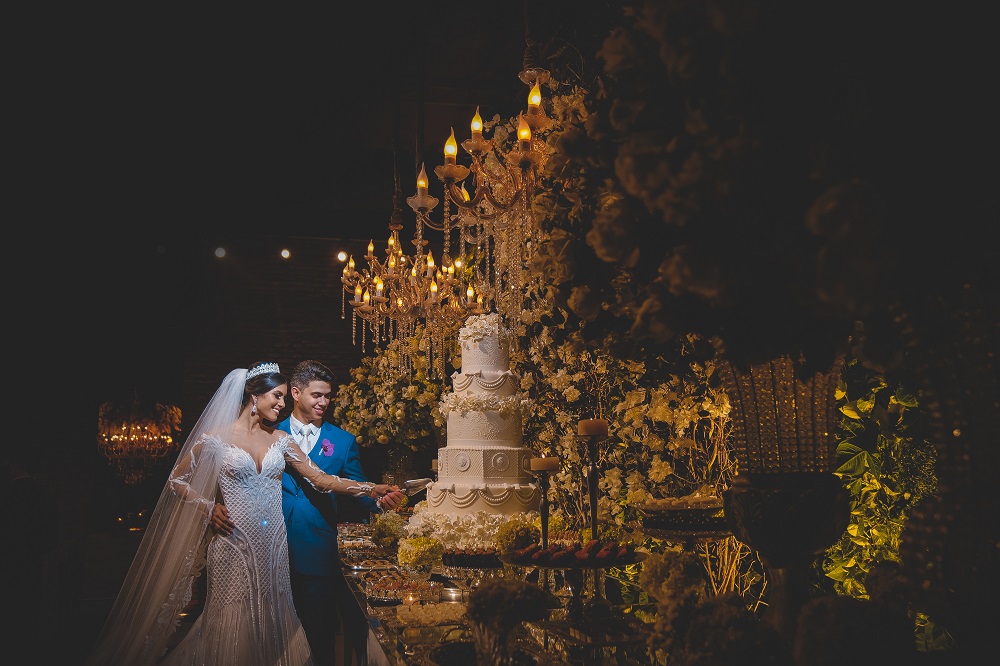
x,y
311,516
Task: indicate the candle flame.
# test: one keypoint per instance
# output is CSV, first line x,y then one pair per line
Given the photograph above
x,y
523,131
535,96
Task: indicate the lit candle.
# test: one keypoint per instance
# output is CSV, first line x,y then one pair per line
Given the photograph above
x,y
422,181
366,297
378,287
430,264
413,274
434,465
469,293
371,248
477,126
357,294
523,133
434,291
592,427
549,464
534,99
450,148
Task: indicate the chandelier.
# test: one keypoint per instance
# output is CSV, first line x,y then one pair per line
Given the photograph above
x,y
489,233
133,437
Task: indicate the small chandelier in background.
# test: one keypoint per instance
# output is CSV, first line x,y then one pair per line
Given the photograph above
x,y
133,437
488,236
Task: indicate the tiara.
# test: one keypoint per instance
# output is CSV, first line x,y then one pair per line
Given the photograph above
x,y
263,369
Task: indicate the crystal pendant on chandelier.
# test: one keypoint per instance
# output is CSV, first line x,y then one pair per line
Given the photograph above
x,y
487,222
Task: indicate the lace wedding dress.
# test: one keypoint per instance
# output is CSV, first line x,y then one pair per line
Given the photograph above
x,y
248,617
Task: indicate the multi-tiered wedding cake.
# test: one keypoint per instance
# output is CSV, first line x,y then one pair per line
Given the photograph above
x,y
483,475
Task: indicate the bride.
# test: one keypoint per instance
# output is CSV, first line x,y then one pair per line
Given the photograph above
x,y
248,616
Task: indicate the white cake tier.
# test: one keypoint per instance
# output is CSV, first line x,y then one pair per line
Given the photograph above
x,y
463,499
485,429
489,354
499,383
480,464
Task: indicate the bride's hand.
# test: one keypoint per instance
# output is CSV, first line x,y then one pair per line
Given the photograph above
x,y
381,489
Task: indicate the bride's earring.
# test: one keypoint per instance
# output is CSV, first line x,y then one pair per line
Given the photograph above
x,y
253,412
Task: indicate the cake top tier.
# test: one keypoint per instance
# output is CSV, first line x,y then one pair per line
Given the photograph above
x,y
480,327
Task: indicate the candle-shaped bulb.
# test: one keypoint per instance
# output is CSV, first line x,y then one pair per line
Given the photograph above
x,y
465,193
392,264
357,294
366,298
399,302
523,133
434,290
534,98
451,270
413,274
430,264
350,263
371,247
477,125
458,263
392,242
469,294
422,180
450,148
378,286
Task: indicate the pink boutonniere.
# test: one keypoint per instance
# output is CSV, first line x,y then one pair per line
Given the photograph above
x,y
327,447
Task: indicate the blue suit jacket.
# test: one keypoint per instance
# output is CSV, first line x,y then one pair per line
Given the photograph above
x,y
311,516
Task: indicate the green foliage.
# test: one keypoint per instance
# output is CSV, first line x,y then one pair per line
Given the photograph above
x,y
888,467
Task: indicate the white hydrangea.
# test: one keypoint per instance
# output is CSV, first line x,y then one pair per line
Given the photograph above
x,y
476,530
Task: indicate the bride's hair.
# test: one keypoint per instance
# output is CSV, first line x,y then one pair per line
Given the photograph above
x,y
266,379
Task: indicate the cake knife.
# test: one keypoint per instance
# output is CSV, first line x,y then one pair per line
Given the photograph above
x,y
414,486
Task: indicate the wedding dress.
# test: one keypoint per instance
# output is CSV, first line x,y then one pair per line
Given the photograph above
x,y
248,617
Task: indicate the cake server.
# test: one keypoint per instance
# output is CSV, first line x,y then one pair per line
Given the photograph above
x,y
414,486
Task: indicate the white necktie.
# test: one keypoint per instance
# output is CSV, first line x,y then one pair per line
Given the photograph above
x,y
305,438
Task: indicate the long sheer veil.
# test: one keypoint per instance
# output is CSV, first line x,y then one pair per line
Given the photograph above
x,y
172,552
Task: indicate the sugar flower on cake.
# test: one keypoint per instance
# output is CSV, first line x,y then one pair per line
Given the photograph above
x,y
478,402
479,327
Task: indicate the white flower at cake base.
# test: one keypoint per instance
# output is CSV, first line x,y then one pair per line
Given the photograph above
x,y
474,530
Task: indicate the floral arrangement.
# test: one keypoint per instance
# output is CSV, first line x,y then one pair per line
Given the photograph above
x,y
387,408
506,602
475,530
388,529
515,534
419,552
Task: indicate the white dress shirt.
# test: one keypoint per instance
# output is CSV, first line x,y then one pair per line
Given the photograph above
x,y
300,430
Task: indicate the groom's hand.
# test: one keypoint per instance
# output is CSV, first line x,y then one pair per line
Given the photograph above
x,y
392,501
220,520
